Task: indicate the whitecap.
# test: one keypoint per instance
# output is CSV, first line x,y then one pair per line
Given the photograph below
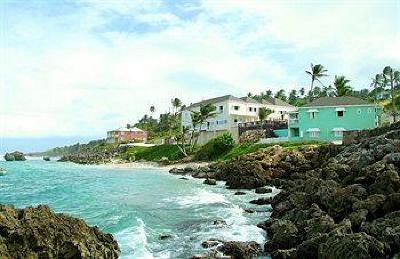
x,y
200,198
134,243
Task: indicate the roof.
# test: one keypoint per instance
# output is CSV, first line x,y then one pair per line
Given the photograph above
x,y
276,101
216,100
336,101
130,129
249,100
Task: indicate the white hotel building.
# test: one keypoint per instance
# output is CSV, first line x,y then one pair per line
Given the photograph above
x,y
232,110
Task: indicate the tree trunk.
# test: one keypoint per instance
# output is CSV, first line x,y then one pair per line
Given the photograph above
x,y
311,90
393,99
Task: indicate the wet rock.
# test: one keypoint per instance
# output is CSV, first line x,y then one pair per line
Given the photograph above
x,y
392,203
284,254
184,178
283,233
211,243
219,222
239,193
261,201
263,190
177,171
165,236
357,245
40,233
241,250
46,158
249,210
15,156
210,181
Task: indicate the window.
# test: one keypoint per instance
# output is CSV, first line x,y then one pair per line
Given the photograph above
x,y
250,109
236,108
338,133
369,110
340,113
314,134
255,109
359,111
221,108
235,120
312,115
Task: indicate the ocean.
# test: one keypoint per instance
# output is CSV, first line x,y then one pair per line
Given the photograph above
x,y
137,205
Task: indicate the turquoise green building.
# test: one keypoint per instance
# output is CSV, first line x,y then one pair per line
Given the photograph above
x,y
326,118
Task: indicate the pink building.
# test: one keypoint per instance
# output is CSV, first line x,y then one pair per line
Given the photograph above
x,y
126,134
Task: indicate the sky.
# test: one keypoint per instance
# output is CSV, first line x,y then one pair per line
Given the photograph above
x,y
80,68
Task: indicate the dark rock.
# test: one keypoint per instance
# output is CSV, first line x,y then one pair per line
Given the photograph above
x,y
284,254
15,156
357,245
392,203
46,158
241,250
249,210
263,190
41,233
177,171
283,233
261,201
165,236
184,178
211,243
239,193
210,181
219,222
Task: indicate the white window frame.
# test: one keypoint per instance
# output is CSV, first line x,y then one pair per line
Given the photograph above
x,y
314,134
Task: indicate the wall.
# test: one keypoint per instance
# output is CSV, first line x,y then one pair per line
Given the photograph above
x,y
326,119
206,136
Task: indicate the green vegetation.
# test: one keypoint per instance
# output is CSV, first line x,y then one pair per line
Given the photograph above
x,y
92,146
215,148
155,153
247,148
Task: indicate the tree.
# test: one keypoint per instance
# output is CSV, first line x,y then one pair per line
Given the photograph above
x,y
152,110
392,77
302,91
198,119
377,83
281,95
316,72
342,87
176,103
316,92
293,97
327,91
263,113
268,93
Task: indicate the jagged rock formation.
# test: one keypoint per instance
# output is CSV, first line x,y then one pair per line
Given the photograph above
x,y
15,156
41,233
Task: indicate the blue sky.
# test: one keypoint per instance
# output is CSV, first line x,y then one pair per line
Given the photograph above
x,y
79,68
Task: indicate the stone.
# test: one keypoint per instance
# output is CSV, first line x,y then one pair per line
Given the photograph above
x,y
40,233
165,236
46,158
210,181
261,201
15,156
239,193
263,190
241,250
219,222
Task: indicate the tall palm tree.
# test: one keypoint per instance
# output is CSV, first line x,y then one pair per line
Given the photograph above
x,y
176,103
152,110
392,76
342,87
263,113
377,84
316,72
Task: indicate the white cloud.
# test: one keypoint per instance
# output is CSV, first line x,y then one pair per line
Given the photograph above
x,y
63,76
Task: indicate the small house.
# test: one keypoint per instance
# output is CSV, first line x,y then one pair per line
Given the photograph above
x,y
126,134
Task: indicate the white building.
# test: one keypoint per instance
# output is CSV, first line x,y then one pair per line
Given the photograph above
x,y
232,110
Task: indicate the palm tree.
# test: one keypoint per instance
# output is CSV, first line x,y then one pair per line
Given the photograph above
x,y
342,87
281,95
152,110
302,91
176,103
392,76
263,113
377,84
316,72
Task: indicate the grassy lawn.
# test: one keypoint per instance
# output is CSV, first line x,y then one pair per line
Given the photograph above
x,y
153,153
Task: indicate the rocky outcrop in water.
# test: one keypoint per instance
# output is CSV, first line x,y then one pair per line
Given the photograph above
x,y
41,233
94,157
15,156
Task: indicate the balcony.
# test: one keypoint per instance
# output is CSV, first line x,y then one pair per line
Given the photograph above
x,y
293,121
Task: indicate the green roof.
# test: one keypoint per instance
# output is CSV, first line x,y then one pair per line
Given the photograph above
x,y
216,100
337,101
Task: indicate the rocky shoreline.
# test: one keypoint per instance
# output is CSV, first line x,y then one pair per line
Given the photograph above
x,y
337,201
40,233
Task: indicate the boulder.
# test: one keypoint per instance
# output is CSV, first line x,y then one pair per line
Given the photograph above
x,y
40,233
165,236
241,250
15,156
356,245
283,233
219,222
210,181
239,193
261,201
263,190
177,171
46,158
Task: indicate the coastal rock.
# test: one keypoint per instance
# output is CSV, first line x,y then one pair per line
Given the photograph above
x,y
177,171
40,233
15,156
263,190
219,222
165,236
239,193
241,250
357,245
210,181
3,171
261,201
46,158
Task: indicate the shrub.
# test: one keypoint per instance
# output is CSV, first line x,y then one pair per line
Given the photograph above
x,y
216,147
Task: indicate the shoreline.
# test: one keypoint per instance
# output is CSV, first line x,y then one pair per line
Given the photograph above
x,y
151,165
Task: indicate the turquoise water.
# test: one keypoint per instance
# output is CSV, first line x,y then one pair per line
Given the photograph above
x,y
136,205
